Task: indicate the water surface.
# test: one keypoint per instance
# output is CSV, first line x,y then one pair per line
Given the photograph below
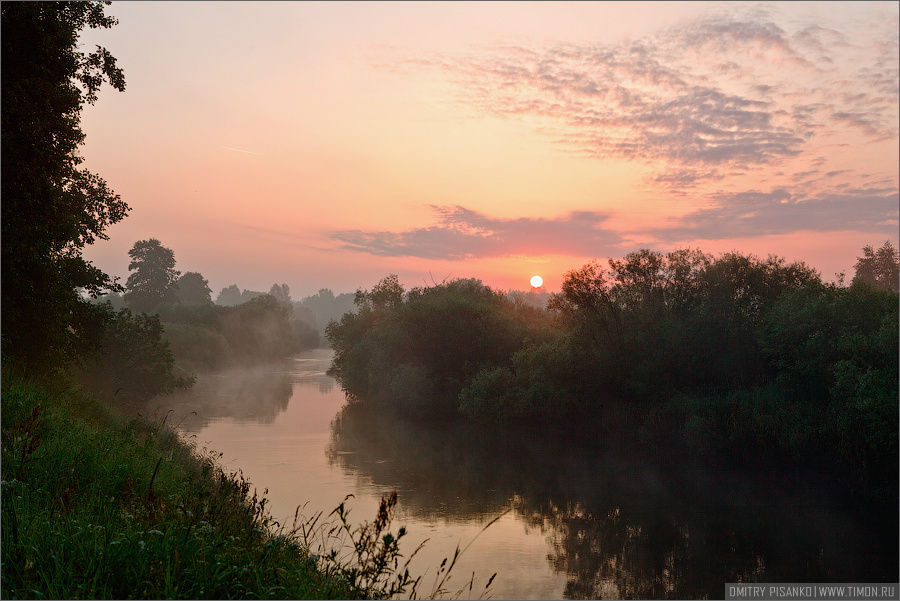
x,y
581,522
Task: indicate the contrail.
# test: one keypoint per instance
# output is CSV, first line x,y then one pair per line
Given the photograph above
x,y
241,150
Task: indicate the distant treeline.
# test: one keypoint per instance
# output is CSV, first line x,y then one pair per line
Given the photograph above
x,y
240,327
317,310
734,356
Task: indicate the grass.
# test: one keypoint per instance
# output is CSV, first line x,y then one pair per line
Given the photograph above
x,y
97,507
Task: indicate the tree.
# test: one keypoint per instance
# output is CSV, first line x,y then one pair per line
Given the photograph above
x,y
136,362
51,208
153,282
229,296
193,289
386,294
281,293
878,268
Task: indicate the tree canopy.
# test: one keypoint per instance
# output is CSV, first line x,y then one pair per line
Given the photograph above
x,y
193,289
153,282
878,268
281,293
51,207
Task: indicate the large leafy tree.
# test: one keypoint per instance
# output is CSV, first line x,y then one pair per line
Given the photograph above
x,y
878,268
193,289
281,293
52,208
153,281
229,296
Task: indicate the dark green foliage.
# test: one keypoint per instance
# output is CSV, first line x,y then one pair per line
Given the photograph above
x,y
51,208
133,361
232,295
153,282
197,348
192,289
207,337
259,329
415,350
94,507
878,268
836,349
734,355
229,296
115,300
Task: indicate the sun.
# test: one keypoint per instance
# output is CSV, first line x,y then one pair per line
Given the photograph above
x,y
537,281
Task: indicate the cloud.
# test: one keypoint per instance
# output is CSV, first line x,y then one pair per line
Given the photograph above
x,y
731,91
780,211
686,178
462,233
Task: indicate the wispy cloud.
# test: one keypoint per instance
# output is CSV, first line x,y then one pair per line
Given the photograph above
x,y
462,233
711,105
723,92
780,211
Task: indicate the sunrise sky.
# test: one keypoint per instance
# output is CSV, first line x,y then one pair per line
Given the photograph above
x,y
330,144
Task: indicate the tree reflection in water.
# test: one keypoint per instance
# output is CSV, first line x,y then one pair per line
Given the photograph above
x,y
620,522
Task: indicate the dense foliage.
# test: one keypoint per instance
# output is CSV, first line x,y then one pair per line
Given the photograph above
x,y
732,355
206,336
153,278
415,350
94,507
134,362
51,206
203,336
878,268
193,289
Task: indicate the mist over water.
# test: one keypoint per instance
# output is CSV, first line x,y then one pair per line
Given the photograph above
x,y
586,520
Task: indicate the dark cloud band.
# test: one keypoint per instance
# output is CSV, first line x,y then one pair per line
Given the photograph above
x,y
462,233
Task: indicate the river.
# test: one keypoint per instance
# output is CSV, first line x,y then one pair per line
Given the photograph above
x,y
573,522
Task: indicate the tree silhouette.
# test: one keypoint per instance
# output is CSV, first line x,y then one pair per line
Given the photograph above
x,y
193,289
229,296
878,268
51,208
281,293
153,282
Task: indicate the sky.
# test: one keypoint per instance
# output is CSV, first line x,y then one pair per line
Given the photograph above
x,y
327,145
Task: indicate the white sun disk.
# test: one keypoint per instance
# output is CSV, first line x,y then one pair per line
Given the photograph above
x,y
537,281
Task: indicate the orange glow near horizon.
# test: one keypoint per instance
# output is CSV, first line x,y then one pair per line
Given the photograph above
x,y
493,140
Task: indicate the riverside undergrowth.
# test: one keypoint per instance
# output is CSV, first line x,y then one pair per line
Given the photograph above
x,y
94,506
98,506
368,556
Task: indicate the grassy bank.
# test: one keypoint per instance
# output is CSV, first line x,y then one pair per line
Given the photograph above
x,y
95,506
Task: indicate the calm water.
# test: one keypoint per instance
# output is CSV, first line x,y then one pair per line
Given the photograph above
x,y
581,523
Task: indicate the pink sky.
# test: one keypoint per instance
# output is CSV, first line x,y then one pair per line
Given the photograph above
x,y
328,145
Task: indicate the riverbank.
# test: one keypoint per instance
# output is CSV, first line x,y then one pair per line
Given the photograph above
x,y
734,357
97,506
